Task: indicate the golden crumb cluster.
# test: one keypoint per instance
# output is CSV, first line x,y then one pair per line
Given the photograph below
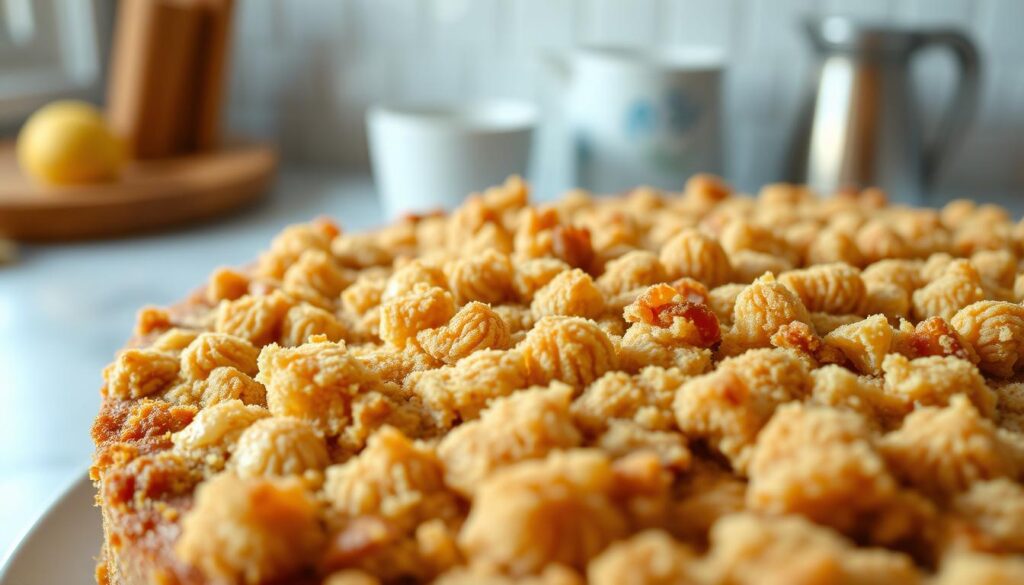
x,y
692,388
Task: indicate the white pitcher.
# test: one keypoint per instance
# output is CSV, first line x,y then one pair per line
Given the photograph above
x,y
641,117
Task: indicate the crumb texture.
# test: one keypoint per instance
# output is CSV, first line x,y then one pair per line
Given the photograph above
x,y
693,388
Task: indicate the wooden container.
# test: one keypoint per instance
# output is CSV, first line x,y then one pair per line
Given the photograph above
x,y
216,44
168,64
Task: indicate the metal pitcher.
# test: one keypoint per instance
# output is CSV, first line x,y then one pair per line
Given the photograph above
x,y
860,126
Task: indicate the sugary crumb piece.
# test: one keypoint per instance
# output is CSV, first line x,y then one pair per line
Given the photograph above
x,y
877,240
304,321
351,577
831,288
511,524
886,299
288,246
316,382
992,511
223,384
645,398
255,318
568,349
749,265
423,308
174,339
250,530
572,292
819,462
476,575
760,310
458,393
959,286
748,549
943,451
474,327
625,438
209,351
632,270
393,364
729,406
278,446
316,278
697,255
414,273
218,426
801,338
226,284
995,330
150,319
980,569
139,372
934,336
393,478
525,425
682,308
935,380
865,343
531,275
838,387
486,278
647,558
572,245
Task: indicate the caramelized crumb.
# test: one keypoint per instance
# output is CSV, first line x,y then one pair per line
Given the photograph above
x,y
700,315
572,245
935,336
150,319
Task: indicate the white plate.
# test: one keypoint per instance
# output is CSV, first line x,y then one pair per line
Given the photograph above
x,y
61,547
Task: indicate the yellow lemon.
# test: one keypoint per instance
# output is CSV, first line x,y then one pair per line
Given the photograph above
x,y
68,142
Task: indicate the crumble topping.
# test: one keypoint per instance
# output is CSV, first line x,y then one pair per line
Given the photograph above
x,y
703,387
250,530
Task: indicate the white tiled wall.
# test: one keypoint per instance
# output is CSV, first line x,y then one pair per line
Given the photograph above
x,y
305,70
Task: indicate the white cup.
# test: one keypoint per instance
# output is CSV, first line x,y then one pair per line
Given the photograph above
x,y
642,117
427,158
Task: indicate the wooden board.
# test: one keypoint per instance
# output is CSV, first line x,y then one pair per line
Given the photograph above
x,y
150,194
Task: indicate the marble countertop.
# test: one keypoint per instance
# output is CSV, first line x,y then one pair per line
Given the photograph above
x,y
66,308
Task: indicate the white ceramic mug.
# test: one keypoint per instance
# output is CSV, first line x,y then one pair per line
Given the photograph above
x,y
427,158
640,117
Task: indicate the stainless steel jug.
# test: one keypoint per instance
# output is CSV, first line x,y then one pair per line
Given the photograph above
x,y
860,126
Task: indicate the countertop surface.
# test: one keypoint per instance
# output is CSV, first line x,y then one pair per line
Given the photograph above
x,y
66,308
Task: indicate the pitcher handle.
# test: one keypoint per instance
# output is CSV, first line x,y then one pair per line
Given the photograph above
x,y
961,108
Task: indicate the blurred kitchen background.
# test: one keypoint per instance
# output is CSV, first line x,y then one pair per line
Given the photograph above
x,y
303,73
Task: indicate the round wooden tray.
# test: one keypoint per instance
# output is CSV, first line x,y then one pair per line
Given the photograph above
x,y
150,194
